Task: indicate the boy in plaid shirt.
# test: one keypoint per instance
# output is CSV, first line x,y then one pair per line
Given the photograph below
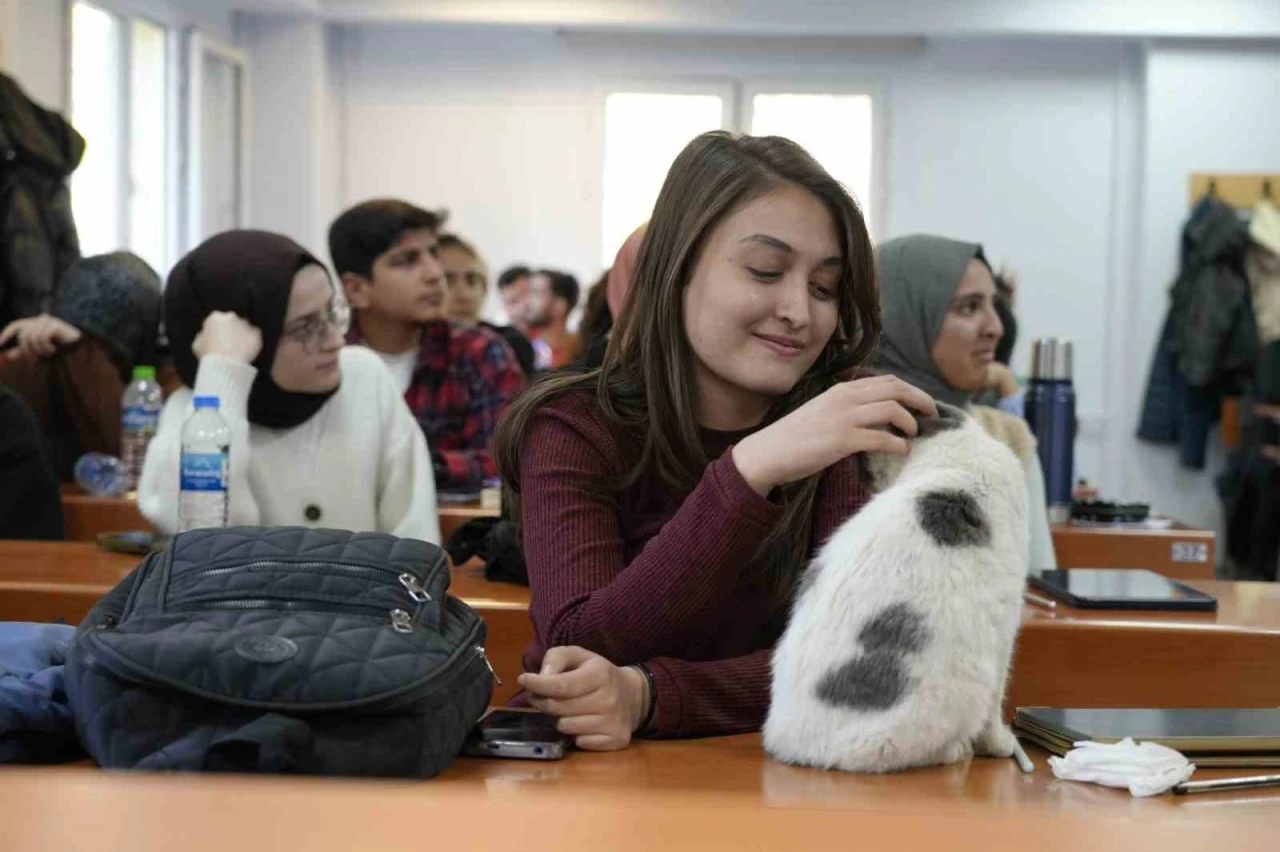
x,y
456,380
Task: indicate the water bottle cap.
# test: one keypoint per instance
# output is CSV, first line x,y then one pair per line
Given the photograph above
x,y
144,373
1051,359
207,402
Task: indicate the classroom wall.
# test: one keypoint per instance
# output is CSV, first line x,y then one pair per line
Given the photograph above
x,y
31,50
1010,143
1209,107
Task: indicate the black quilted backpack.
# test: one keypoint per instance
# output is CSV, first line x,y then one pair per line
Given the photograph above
x,y
281,650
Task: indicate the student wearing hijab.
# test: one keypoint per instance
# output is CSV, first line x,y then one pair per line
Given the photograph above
x,y
72,366
320,435
941,332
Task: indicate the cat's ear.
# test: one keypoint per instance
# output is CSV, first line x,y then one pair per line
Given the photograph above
x,y
949,417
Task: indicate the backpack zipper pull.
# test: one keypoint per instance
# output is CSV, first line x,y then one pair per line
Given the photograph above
x,y
401,621
488,665
411,584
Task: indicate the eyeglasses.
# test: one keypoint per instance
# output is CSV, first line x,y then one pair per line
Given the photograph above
x,y
310,332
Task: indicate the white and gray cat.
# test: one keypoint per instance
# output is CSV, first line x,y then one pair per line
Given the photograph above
x,y
898,647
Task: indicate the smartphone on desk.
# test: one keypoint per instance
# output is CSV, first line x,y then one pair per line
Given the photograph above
x,y
512,732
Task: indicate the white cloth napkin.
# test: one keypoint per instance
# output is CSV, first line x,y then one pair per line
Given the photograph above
x,y
1147,769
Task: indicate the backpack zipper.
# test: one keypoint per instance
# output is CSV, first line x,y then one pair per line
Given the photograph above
x,y
336,567
417,591
401,620
488,664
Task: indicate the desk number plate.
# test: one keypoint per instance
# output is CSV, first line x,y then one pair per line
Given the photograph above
x,y
1189,551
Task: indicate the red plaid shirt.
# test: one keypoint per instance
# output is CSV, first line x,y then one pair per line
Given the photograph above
x,y
463,380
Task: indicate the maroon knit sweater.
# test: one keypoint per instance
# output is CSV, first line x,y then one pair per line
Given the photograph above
x,y
657,576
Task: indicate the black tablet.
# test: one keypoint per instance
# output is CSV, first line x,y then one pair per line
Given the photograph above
x,y
1119,588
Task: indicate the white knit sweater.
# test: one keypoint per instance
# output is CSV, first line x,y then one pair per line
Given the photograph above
x,y
361,460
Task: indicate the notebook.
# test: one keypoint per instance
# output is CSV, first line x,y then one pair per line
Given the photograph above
x,y
1208,737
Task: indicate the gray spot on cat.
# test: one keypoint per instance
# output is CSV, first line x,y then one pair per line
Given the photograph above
x,y
953,519
876,681
896,629
949,417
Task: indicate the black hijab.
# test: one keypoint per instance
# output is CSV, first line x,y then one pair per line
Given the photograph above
x,y
249,273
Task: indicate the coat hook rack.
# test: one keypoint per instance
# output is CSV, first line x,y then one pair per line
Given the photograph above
x,y
1241,190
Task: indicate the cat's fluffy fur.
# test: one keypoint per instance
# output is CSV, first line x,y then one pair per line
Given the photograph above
x,y
898,646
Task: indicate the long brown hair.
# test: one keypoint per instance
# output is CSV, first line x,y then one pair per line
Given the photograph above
x,y
646,383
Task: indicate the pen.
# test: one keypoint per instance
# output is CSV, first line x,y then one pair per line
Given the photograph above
x,y
1039,600
1216,784
1024,762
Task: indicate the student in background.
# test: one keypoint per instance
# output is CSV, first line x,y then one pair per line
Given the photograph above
x,y
467,280
320,435
624,263
552,297
30,498
72,366
597,322
1003,389
513,289
941,332
457,381
670,499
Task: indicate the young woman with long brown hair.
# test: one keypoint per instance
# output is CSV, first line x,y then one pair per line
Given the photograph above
x,y
670,499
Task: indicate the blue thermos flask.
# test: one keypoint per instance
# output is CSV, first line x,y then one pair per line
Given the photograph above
x,y
1051,414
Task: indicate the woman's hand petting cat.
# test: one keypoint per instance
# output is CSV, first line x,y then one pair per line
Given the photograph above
x,y
852,417
38,337
597,703
228,335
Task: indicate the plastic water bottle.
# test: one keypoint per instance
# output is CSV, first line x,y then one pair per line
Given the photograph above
x,y
139,417
206,454
100,475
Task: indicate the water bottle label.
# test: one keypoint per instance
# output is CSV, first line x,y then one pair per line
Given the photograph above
x,y
138,418
204,471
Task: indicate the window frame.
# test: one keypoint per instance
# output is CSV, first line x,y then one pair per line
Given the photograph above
x,y
191,225
126,12
874,89
737,94
720,87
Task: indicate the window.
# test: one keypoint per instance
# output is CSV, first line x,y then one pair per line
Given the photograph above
x,y
216,171
643,133
120,194
148,216
836,129
96,112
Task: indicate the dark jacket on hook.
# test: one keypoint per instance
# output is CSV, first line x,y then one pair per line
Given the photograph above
x,y
38,242
1209,342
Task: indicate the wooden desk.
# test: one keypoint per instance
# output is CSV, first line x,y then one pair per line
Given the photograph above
x,y
1099,658
716,794
85,517
1065,657
1183,552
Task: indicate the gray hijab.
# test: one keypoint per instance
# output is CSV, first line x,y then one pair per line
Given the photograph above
x,y
918,278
